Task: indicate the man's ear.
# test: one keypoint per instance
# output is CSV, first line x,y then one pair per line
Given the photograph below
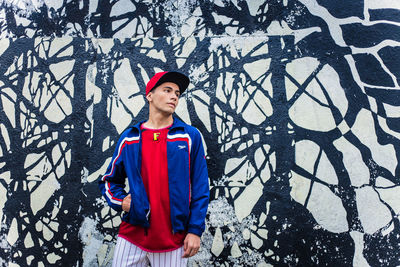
x,y
149,96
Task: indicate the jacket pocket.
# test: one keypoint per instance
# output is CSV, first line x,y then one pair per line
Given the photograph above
x,y
127,216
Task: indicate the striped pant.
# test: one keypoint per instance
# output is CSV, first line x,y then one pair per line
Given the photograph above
x,y
127,254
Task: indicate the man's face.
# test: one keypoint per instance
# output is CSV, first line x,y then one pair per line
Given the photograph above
x,y
164,98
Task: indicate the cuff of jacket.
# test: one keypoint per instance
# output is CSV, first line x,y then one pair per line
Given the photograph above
x,y
195,230
117,208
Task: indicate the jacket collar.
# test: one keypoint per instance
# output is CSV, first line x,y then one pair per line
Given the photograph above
x,y
176,124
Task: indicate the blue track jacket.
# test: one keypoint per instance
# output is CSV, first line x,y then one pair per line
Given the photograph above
x,y
187,178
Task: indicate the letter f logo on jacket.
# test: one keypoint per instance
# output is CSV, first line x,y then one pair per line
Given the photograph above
x,y
155,137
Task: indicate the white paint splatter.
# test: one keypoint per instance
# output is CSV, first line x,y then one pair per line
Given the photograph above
x,y
178,13
92,240
358,260
237,42
373,214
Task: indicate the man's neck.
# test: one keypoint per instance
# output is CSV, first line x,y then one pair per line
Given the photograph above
x,y
158,121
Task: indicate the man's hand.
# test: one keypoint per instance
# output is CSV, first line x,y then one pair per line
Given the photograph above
x,y
126,203
191,245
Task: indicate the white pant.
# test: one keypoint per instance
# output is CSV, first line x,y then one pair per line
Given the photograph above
x,y
127,254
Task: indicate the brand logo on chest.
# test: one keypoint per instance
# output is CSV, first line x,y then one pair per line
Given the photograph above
x,y
155,136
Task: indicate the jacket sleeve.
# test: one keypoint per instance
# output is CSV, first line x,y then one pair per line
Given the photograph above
x,y
112,184
200,191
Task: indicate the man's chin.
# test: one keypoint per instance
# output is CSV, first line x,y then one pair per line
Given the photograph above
x,y
171,109
169,112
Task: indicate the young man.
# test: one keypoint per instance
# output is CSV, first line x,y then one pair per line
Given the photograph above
x,y
163,160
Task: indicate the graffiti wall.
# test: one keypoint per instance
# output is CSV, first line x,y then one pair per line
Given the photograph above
x,y
298,103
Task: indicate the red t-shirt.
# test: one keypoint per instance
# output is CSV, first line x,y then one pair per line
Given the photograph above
x,y
159,237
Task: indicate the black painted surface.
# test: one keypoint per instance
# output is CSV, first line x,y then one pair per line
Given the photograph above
x,y
371,35
371,71
301,240
385,14
343,8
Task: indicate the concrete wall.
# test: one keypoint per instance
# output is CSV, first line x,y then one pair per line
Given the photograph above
x,y
298,103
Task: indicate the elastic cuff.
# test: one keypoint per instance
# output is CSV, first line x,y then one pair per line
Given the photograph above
x,y
117,208
195,230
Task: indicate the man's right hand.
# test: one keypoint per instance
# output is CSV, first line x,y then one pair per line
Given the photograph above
x,y
126,203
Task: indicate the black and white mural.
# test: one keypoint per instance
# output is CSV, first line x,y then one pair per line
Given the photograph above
x,y
298,103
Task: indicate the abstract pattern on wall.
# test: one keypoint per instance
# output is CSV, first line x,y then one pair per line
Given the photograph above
x,y
298,103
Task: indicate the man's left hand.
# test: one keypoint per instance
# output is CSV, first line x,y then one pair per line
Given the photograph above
x,y
191,245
